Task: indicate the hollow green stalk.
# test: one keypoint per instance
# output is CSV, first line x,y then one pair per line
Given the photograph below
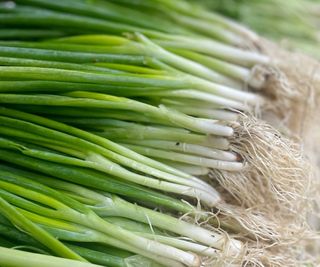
x,y
185,158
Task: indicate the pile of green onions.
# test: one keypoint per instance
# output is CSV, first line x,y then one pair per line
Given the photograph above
x,y
75,213
118,120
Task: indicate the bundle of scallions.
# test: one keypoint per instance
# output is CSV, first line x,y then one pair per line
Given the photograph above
x,y
127,139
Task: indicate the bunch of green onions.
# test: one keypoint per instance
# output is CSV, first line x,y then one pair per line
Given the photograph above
x,y
78,214
113,114
159,98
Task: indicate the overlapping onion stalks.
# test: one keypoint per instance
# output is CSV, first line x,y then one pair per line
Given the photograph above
x,y
40,149
290,81
162,99
62,214
174,94
274,74
203,36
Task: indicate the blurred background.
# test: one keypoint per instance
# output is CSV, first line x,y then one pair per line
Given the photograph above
x,y
293,23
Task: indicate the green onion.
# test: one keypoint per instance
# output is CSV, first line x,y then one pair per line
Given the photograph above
x,y
152,233
189,159
65,56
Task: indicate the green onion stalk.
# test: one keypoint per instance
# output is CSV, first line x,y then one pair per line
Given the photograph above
x,y
23,242
201,88
196,18
192,158
98,181
102,44
199,22
180,18
104,101
139,51
152,21
148,49
209,48
282,78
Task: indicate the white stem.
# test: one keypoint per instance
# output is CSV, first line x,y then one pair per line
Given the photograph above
x,y
216,49
187,148
106,239
149,132
182,244
215,114
157,173
140,242
190,169
230,25
199,72
207,97
166,222
201,125
212,29
181,63
184,158
100,163
227,92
